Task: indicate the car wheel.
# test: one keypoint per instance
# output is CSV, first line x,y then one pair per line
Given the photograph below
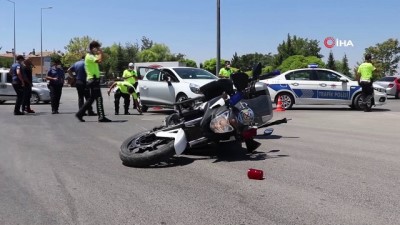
x,y
46,102
358,102
183,97
2,101
144,108
35,98
287,100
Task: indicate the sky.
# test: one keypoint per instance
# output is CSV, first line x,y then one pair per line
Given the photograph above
x,y
189,26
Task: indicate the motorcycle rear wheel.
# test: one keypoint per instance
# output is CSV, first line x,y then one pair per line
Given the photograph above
x,y
133,152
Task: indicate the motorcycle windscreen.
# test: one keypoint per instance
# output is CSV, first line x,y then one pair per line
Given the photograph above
x,y
216,88
262,108
240,80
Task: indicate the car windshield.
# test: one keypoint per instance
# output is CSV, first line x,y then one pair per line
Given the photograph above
x,y
388,79
36,80
194,73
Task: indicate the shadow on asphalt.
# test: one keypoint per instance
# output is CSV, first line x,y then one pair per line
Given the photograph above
x,y
274,137
377,109
225,152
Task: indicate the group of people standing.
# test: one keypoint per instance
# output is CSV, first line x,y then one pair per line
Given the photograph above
x,y
21,72
87,74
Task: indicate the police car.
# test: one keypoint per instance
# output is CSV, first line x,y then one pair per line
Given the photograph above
x,y
317,86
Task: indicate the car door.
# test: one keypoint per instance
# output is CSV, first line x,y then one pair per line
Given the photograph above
x,y
7,91
331,89
305,86
153,90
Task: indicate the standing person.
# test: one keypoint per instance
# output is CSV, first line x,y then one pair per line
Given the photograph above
x,y
18,83
125,90
365,79
81,88
130,76
27,72
56,76
226,71
92,60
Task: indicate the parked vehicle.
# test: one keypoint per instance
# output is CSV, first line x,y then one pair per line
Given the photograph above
x,y
221,115
165,86
316,86
391,84
7,92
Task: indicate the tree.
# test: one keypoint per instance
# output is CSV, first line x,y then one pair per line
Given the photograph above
x,y
189,62
386,56
76,48
146,43
148,56
6,62
247,61
345,66
296,46
300,61
331,62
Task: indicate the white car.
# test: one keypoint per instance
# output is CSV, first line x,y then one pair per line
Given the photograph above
x,y
316,86
165,86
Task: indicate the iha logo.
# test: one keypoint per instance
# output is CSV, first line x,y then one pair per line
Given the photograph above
x,y
331,42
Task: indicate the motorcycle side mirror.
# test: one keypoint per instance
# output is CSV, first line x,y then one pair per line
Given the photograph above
x,y
257,69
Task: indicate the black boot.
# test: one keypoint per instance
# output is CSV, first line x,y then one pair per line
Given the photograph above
x,y
100,110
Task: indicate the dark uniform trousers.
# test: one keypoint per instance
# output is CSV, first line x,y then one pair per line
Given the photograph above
x,y
367,92
117,96
55,96
95,95
20,96
83,94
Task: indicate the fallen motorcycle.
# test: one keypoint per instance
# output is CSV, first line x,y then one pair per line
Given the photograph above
x,y
222,114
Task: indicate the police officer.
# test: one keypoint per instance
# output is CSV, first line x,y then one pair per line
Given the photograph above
x,y
81,88
226,71
92,60
56,77
130,76
125,90
365,79
18,83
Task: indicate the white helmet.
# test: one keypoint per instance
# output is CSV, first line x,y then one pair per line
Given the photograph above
x,y
131,65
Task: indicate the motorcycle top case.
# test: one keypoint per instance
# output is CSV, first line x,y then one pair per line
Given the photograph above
x,y
262,108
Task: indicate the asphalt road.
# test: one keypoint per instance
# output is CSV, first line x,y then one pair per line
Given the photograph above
x,y
329,165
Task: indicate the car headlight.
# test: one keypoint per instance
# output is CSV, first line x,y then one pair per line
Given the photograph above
x,y
195,88
380,89
220,124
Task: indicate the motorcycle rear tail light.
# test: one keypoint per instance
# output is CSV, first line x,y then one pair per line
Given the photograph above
x,y
249,133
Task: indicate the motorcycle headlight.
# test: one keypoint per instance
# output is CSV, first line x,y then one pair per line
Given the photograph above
x,y
194,88
220,124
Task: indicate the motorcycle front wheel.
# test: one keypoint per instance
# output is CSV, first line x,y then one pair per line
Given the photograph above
x,y
146,149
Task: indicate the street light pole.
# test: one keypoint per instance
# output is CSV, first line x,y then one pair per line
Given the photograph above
x,y
218,38
15,50
41,40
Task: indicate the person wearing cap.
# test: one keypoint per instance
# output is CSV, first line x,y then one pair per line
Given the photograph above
x,y
27,74
365,79
92,60
130,76
226,71
125,90
83,91
56,77
18,83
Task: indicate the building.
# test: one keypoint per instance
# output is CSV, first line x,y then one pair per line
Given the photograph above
x,y
35,58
